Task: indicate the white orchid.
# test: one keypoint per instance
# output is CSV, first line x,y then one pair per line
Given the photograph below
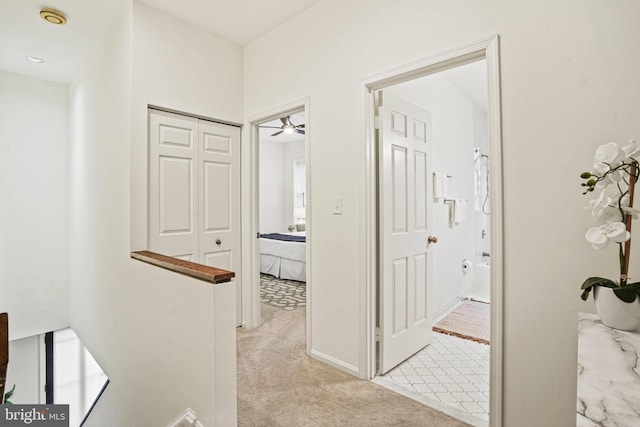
x,y
607,157
615,172
601,236
604,206
631,150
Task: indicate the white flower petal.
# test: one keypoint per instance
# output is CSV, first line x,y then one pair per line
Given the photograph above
x,y
632,211
597,247
631,150
596,236
607,154
616,231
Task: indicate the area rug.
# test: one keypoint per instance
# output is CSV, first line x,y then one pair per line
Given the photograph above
x,y
470,320
284,294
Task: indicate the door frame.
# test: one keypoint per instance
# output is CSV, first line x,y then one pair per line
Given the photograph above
x,y
251,213
488,49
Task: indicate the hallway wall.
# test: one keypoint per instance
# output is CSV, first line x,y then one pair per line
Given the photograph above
x,y
130,315
34,204
569,83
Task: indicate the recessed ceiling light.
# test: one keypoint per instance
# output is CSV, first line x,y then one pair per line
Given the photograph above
x,y
53,16
34,59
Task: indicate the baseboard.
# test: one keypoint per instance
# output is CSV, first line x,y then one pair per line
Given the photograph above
x,y
338,364
446,309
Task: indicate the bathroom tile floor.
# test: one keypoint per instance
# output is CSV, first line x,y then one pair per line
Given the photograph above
x,y
451,375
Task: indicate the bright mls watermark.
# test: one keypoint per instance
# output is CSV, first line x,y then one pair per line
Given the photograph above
x,y
34,415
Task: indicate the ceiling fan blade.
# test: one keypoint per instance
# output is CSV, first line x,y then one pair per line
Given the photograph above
x,y
270,127
277,133
300,126
300,131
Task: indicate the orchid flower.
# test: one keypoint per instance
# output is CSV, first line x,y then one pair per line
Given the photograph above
x,y
615,172
601,236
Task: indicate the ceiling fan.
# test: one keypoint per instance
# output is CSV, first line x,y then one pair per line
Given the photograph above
x,y
287,127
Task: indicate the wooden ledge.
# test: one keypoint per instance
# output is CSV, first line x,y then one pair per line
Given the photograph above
x,y
188,268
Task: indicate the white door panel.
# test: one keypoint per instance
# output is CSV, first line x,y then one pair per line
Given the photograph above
x,y
194,191
173,186
405,168
219,171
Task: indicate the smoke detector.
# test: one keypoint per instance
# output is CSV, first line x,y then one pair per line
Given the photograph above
x,y
53,16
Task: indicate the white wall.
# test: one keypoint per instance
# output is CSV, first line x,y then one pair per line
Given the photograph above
x,y
181,67
26,371
271,184
34,207
131,316
452,135
276,184
292,151
568,85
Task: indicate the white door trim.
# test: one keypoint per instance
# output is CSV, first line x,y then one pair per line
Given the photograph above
x,y
488,49
250,209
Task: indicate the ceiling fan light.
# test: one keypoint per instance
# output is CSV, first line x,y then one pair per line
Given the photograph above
x,y
288,129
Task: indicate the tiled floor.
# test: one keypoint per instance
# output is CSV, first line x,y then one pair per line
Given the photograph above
x,y
451,374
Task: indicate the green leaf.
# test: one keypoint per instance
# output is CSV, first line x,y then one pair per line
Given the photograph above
x,y
588,285
8,395
585,294
598,281
626,294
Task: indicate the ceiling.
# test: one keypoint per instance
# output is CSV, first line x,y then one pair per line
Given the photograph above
x,y
64,48
240,21
23,33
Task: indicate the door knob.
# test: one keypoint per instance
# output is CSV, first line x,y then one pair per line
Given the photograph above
x,y
432,239
218,242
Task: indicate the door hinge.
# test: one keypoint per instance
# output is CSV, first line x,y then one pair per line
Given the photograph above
x,y
376,122
378,334
258,235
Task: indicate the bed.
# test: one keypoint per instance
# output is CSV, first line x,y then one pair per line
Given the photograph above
x,y
284,255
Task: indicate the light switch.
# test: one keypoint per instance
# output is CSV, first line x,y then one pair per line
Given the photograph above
x,y
337,206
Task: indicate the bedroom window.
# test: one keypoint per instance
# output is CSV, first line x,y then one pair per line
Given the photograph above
x,y
299,188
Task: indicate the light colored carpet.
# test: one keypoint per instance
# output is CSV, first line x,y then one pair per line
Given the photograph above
x,y
470,320
279,385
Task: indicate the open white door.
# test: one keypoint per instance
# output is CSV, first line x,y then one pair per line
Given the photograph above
x,y
404,139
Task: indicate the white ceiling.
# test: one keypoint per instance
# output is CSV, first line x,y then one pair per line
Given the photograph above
x,y
471,79
240,21
24,33
64,48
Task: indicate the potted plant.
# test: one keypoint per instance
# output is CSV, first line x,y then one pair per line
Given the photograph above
x,y
8,396
613,179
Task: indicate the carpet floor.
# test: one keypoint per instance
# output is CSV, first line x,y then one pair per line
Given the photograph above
x,y
470,320
279,385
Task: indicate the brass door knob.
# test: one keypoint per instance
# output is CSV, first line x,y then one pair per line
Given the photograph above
x,y
432,239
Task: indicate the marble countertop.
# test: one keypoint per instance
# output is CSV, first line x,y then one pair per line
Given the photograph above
x,y
608,375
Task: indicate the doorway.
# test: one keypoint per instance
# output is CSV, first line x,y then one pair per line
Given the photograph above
x,y
282,211
380,316
281,215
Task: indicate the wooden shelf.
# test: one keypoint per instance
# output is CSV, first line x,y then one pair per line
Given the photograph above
x,y
192,269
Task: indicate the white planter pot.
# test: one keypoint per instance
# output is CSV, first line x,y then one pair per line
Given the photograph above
x,y
615,313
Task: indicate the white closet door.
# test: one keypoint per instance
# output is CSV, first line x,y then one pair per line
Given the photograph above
x,y
173,185
194,191
219,211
